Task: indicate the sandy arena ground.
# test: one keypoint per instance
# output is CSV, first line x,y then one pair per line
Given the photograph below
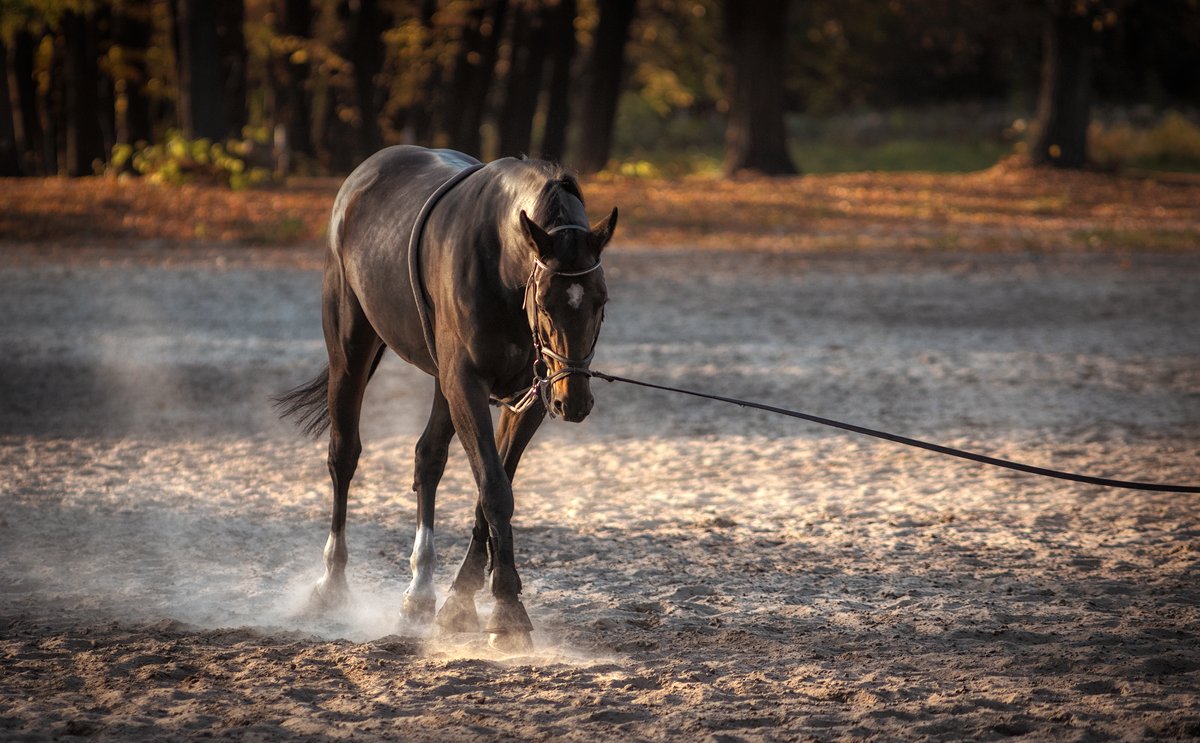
x,y
695,571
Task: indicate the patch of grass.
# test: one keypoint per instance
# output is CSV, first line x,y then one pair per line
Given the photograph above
x,y
283,231
669,163
1139,239
1172,144
928,155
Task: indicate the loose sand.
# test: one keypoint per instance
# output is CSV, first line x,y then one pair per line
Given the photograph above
x,y
695,571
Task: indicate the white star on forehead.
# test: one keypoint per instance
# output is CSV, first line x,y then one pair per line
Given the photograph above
x,y
574,296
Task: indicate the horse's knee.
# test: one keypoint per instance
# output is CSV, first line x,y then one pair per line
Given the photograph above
x,y
430,461
497,501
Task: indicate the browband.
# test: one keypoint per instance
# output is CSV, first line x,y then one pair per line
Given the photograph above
x,y
546,268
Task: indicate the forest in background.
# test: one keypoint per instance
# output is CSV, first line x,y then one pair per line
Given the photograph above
x,y
243,91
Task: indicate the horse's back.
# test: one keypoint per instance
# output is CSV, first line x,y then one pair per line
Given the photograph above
x,y
391,180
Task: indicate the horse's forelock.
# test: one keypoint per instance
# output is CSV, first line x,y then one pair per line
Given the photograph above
x,y
553,204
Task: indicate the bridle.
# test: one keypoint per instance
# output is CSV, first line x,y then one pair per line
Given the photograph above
x,y
543,380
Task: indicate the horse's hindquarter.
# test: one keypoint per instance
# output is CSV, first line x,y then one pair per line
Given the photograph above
x,y
372,221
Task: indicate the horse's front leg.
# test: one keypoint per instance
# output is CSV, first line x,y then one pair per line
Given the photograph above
x,y
514,434
509,626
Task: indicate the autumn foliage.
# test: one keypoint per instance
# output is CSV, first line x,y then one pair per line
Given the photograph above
x,y
994,210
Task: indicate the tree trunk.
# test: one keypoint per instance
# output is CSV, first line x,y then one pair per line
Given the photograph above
x,y
50,108
558,105
603,85
1065,100
27,126
84,140
10,163
293,107
201,112
131,32
755,137
367,24
231,39
524,81
474,69
423,118
102,32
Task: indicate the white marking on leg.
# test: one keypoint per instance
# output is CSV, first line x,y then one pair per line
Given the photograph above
x,y
574,296
331,590
335,552
423,561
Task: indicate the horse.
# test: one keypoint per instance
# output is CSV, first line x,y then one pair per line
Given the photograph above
x,y
488,278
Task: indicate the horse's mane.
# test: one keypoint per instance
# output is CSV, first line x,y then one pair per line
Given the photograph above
x,y
552,182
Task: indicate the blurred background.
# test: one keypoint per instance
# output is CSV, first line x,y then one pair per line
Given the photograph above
x,y
250,91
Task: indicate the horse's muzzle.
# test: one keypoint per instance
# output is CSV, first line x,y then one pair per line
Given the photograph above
x,y
572,398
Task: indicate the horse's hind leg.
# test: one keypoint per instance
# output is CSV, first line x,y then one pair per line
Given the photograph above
x,y
420,600
354,350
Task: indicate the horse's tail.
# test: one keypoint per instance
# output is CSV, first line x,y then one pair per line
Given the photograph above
x,y
307,405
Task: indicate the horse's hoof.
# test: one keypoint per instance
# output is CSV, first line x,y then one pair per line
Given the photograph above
x,y
513,643
418,608
329,594
458,614
509,617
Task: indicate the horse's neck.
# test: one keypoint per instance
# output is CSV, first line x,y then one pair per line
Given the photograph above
x,y
516,255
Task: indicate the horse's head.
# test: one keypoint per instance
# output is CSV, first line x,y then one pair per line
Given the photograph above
x,y
565,304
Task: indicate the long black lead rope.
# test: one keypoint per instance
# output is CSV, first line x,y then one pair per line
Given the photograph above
x,y
1018,466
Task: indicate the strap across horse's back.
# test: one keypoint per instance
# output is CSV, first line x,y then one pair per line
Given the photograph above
x,y
420,295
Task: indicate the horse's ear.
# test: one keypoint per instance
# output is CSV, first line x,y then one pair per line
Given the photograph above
x,y
539,241
602,231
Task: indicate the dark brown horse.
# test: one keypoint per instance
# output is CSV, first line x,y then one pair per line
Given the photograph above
x,y
498,294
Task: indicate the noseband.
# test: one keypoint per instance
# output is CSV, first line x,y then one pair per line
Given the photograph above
x,y
543,381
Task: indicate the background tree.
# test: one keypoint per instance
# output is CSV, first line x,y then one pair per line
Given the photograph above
x,y
201,91
474,72
127,65
81,106
10,162
289,75
231,42
1065,101
602,86
366,21
527,54
755,137
561,27
23,94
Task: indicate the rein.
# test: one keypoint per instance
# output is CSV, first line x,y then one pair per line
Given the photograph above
x,y
950,451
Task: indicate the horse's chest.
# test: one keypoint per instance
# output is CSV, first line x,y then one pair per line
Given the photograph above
x,y
515,356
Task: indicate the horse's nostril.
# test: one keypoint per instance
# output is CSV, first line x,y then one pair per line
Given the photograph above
x,y
558,406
